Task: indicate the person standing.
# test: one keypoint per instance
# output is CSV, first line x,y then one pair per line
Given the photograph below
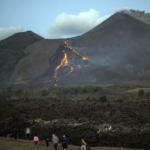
x,y
36,139
83,144
66,139
47,142
28,132
55,140
64,145
15,133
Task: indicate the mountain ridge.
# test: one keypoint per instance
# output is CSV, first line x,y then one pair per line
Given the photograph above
x,y
116,49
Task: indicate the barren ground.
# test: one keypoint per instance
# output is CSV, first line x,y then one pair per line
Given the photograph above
x,y
29,145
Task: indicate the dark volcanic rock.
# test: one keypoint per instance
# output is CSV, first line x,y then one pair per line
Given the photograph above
x,y
103,99
123,124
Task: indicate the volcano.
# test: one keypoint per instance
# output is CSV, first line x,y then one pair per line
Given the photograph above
x,y
117,49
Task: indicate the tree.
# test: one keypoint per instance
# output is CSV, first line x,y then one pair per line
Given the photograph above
x,y
141,93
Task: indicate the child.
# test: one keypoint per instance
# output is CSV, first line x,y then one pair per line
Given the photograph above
x,y
8,136
47,142
36,139
64,145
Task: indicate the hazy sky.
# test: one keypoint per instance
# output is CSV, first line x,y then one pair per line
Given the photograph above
x,y
59,18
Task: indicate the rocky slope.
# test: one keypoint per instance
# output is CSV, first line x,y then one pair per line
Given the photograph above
x,y
116,49
102,123
11,51
120,43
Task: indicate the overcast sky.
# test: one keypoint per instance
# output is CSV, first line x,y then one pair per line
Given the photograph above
x,y
59,18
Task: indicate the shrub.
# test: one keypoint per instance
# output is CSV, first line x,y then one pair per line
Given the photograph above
x,y
44,92
7,93
147,95
26,93
141,93
18,93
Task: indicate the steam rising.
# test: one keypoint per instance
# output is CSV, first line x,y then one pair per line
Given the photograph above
x,y
6,32
122,9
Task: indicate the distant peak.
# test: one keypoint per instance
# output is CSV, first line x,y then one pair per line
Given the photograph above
x,y
30,33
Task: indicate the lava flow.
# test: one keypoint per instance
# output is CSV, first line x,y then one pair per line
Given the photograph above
x,y
83,58
64,61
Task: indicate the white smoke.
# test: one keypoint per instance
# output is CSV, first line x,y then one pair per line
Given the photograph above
x,y
122,9
68,25
6,32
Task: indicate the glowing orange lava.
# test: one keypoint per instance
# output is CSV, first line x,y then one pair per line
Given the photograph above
x,y
64,61
83,58
36,120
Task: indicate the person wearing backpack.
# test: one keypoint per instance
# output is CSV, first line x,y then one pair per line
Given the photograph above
x,y
83,144
28,132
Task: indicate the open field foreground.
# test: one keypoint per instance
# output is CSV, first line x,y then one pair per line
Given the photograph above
x,y
29,145
102,122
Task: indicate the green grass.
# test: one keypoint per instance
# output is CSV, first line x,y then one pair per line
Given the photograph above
x,y
76,89
79,91
8,61
136,90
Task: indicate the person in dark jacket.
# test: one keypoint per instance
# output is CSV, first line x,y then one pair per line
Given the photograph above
x,y
47,142
66,139
15,133
83,144
64,145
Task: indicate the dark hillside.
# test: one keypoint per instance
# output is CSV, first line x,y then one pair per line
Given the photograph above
x,y
121,43
11,51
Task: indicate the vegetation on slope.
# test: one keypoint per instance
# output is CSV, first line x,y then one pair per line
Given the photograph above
x,y
77,90
8,61
11,51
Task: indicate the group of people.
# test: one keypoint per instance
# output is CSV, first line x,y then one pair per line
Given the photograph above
x,y
55,139
13,134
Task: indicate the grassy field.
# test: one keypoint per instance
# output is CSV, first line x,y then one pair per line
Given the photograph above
x,y
81,91
136,90
29,145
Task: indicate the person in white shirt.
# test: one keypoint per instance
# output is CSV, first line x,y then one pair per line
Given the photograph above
x,y
28,133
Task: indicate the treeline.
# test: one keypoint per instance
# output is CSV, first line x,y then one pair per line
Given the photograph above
x,y
81,89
